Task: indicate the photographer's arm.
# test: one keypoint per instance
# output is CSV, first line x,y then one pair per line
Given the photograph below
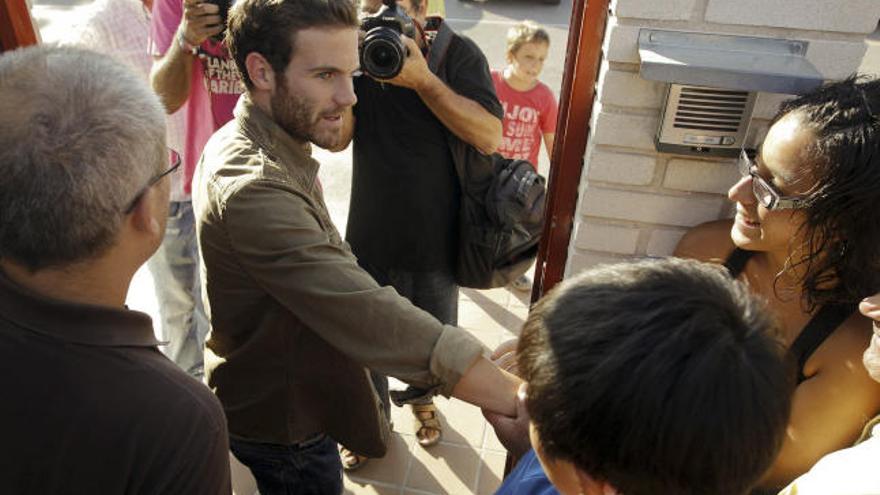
x,y
466,118
171,76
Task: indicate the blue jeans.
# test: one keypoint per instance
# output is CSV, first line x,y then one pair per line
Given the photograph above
x,y
311,467
434,292
175,270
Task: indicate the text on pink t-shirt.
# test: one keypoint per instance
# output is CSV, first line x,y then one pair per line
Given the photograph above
x,y
215,86
528,115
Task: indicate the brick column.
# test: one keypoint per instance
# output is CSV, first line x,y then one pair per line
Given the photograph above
x,y
634,201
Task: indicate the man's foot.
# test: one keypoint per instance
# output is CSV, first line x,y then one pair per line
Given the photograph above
x,y
523,284
350,460
428,429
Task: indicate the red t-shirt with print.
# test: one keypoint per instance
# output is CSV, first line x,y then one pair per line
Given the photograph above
x,y
528,115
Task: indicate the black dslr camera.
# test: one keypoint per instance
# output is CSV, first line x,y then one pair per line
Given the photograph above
x,y
382,53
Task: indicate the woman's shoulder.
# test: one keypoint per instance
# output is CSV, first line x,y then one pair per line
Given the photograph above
x,y
838,361
847,342
709,241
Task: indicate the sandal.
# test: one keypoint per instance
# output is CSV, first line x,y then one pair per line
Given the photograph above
x,y
350,460
428,425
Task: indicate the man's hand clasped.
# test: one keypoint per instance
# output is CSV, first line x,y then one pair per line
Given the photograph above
x,y
512,432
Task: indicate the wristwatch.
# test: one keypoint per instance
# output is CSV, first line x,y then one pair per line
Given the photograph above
x,y
186,46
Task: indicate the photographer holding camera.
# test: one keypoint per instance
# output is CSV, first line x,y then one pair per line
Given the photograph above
x,y
403,219
192,73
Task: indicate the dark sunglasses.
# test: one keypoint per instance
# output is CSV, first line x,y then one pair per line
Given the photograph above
x,y
174,160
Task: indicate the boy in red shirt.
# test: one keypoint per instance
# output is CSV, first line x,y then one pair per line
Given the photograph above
x,y
529,105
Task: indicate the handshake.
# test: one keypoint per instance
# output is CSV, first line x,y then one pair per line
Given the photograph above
x,y
512,432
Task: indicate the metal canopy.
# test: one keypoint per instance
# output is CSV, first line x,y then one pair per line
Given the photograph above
x,y
723,61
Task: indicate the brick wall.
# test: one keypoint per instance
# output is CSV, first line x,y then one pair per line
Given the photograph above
x,y
634,201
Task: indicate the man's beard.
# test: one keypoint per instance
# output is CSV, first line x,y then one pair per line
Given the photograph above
x,y
298,117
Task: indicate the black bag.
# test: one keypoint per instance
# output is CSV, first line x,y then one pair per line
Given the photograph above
x,y
502,205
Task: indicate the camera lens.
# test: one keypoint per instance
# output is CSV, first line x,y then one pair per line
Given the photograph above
x,y
383,57
382,54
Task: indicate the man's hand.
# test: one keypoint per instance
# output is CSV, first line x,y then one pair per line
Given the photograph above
x,y
415,70
513,433
504,356
171,76
201,20
870,307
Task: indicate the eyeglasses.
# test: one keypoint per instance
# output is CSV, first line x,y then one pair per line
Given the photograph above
x,y
766,193
174,160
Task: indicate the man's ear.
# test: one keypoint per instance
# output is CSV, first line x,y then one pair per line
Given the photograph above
x,y
260,71
145,217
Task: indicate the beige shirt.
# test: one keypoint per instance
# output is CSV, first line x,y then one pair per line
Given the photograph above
x,y
294,320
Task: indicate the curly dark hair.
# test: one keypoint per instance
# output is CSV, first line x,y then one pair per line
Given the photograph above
x,y
841,261
659,376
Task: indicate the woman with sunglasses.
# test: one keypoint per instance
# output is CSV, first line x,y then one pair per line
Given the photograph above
x,y
806,236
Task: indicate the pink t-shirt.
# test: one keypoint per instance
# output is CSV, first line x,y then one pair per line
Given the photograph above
x,y
528,115
215,86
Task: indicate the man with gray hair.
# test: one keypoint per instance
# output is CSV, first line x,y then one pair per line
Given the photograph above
x,y
90,404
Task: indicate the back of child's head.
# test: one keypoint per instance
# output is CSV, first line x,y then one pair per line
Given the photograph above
x,y
658,376
525,32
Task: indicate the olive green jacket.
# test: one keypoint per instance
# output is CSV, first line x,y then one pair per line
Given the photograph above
x,y
294,320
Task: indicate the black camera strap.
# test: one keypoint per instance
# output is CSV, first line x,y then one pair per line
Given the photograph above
x,y
439,46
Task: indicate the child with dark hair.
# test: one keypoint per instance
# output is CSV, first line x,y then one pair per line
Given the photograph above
x,y
654,377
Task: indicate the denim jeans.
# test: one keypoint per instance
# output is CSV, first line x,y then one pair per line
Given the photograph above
x,y
175,270
312,467
434,292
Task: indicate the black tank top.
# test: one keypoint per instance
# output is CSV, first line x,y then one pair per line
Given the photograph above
x,y
820,326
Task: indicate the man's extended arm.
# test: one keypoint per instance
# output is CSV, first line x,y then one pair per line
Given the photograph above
x,y
466,118
289,254
171,76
